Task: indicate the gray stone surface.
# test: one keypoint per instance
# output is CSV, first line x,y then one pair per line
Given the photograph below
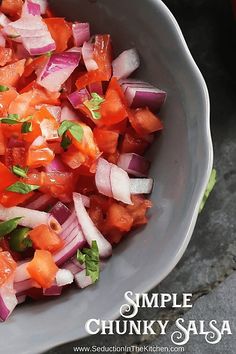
x,y
219,305
211,255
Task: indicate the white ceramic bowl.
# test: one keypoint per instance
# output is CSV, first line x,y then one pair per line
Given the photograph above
x,y
182,162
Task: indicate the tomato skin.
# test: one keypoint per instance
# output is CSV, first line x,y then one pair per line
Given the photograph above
x,y
144,121
87,146
45,239
7,266
118,218
107,140
103,58
39,156
11,7
6,98
11,199
133,143
73,158
11,73
42,268
5,55
138,210
60,31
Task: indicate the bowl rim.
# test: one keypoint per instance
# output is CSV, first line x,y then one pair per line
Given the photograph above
x,y
141,287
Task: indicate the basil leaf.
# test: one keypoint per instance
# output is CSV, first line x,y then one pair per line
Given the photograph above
x,y
66,142
22,188
209,188
3,88
8,226
26,127
90,256
18,171
9,121
94,105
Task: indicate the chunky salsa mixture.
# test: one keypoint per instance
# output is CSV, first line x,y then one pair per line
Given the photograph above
x,y
73,131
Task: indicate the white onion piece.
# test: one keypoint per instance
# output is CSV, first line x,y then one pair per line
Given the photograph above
x,y
64,277
57,70
21,272
120,184
54,290
4,20
82,280
48,130
141,185
30,218
87,53
125,64
102,177
8,300
81,33
90,231
68,113
134,164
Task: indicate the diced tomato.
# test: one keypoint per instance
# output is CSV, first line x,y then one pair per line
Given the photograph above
x,y
2,142
115,236
113,110
45,239
144,121
86,185
112,158
34,64
11,7
55,146
11,73
7,266
96,215
6,98
87,146
73,158
106,140
138,210
11,130
32,135
118,218
15,156
103,58
39,155
119,127
5,55
7,177
60,31
43,268
98,200
4,245
133,143
10,199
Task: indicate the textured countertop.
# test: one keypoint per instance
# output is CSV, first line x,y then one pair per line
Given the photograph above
x,y
210,32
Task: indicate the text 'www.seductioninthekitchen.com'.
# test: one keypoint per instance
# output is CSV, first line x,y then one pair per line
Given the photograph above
x,y
127,349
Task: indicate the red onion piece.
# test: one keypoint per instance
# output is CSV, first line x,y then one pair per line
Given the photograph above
x,y
102,177
2,40
43,5
134,164
41,202
21,299
30,218
30,8
120,184
87,53
60,212
78,97
21,52
56,166
141,185
96,87
15,142
21,286
141,94
89,230
64,277
81,33
21,272
85,200
4,20
8,300
68,113
58,69
39,45
82,280
69,249
125,64
54,290
72,267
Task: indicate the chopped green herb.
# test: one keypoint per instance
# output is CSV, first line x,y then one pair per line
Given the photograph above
x,y
94,105
22,188
3,88
19,241
26,127
90,256
9,121
13,116
8,226
209,188
18,171
75,129
48,54
66,142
